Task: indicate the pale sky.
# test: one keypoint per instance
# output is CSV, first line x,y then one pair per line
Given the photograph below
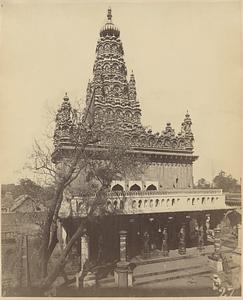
x,y
185,56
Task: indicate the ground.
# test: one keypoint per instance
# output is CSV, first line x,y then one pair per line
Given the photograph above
x,y
175,276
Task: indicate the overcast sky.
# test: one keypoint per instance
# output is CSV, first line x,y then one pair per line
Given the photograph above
x,y
185,56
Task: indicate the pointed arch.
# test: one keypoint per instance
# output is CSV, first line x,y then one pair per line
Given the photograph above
x,y
117,187
151,187
135,187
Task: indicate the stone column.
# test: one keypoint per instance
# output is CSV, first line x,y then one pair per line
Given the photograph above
x,y
215,259
121,272
217,243
200,239
165,248
123,245
84,249
182,240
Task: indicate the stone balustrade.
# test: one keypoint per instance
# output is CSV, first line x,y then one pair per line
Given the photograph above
x,y
154,201
141,202
167,192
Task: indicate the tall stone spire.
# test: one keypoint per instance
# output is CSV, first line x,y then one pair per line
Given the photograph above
x,y
113,93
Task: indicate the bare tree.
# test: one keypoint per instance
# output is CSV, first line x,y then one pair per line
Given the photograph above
x,y
83,132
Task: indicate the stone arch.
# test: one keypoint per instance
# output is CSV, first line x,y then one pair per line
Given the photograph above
x,y
135,187
156,202
151,141
106,47
134,139
109,111
128,114
234,216
173,202
193,201
117,90
114,48
117,187
151,203
151,187
167,142
174,144
115,67
106,68
139,203
118,112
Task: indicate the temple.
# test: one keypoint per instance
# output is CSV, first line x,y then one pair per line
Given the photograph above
x,y
160,205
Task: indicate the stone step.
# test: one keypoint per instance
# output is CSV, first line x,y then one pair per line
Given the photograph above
x,y
145,275
177,275
169,265
170,274
156,277
142,279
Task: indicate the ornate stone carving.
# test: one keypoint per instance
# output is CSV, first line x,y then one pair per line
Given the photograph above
x,y
116,107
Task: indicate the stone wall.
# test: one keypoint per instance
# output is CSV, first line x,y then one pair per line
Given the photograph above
x,y
166,175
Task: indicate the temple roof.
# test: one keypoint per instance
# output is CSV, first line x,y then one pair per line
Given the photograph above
x,y
112,102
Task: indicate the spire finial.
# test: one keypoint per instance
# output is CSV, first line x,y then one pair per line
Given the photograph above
x,y
109,15
65,98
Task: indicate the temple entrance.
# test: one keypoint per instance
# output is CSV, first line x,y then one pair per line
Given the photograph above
x,y
146,233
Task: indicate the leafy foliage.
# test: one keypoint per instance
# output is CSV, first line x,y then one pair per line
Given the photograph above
x,y
226,182
202,184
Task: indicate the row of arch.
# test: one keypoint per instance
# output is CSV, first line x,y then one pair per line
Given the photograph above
x,y
171,202
134,187
108,67
118,112
153,203
109,47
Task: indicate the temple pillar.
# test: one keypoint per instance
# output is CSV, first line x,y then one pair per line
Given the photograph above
x,y
182,240
215,259
122,269
165,248
200,238
217,243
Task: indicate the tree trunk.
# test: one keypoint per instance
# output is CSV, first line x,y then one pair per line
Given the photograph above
x,y
47,282
48,245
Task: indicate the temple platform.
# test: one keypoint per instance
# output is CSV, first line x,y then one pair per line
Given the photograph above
x,y
158,272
